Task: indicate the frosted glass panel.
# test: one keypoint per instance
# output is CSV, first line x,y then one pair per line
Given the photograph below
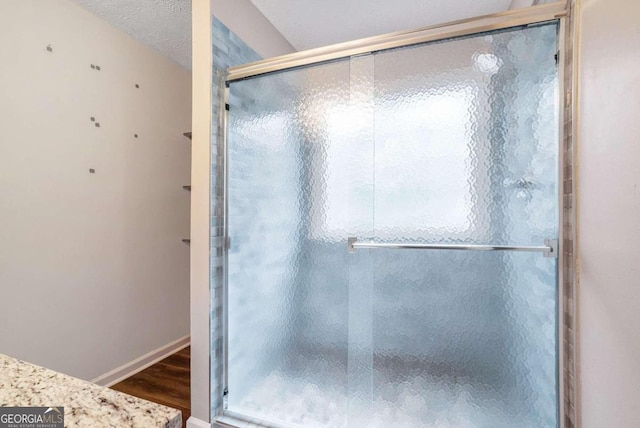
x,y
472,124
463,339
466,143
288,282
455,141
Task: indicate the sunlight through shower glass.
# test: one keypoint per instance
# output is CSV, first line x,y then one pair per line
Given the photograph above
x,y
451,142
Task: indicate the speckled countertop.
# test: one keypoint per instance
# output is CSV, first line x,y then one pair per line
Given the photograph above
x,y
86,405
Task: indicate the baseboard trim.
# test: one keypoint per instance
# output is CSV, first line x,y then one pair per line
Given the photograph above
x,y
197,423
129,369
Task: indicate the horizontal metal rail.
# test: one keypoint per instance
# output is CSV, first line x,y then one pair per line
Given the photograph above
x,y
465,27
550,248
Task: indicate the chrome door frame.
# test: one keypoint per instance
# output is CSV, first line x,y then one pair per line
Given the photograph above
x,y
559,11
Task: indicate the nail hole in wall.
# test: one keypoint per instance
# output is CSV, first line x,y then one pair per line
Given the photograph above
x,y
97,124
93,119
135,135
98,67
92,171
137,86
93,66
49,48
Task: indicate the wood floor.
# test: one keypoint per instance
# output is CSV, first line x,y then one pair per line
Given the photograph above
x,y
166,382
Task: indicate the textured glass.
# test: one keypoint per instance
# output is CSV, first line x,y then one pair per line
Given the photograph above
x,y
455,142
288,285
473,126
228,50
467,346
466,143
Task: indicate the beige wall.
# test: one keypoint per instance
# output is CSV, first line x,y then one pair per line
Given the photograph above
x,y
609,213
93,273
200,214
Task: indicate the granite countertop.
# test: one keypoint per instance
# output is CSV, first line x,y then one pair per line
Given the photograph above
x,y
86,405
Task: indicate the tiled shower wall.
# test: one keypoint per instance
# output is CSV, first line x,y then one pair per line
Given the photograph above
x,y
228,50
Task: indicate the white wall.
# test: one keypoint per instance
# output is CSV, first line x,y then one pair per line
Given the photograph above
x,y
244,19
93,273
200,213
609,213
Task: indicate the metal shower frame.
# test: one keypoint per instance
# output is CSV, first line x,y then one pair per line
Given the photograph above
x,y
558,11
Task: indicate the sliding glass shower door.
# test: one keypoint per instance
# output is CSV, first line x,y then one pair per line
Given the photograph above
x,y
392,220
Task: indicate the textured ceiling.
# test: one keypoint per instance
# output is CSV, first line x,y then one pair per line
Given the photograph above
x,y
308,24
165,25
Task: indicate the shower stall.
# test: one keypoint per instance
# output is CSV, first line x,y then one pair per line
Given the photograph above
x,y
391,213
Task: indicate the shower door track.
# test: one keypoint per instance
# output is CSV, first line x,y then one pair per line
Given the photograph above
x,y
558,11
508,19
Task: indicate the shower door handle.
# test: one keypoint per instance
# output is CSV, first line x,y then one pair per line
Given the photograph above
x,y
549,249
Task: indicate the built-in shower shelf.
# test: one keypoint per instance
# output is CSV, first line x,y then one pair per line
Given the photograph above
x,y
187,188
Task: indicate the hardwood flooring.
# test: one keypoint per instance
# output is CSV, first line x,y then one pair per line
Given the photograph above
x,y
166,382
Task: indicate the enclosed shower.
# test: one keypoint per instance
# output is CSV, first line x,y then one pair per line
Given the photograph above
x,y
392,221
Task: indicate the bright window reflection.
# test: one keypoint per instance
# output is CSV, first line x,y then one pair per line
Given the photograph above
x,y
421,175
